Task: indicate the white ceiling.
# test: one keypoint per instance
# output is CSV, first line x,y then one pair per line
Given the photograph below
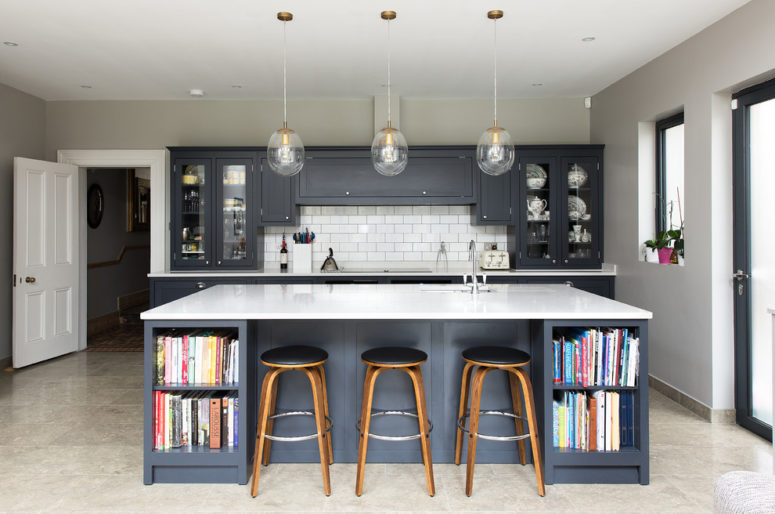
x,y
159,49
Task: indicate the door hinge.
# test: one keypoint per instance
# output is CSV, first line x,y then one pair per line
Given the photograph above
x,y
520,254
509,211
598,166
174,256
14,280
261,211
598,254
519,165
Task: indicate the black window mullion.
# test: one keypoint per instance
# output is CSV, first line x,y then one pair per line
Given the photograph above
x,y
661,180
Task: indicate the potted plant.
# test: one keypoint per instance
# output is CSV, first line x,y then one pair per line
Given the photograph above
x,y
655,248
677,252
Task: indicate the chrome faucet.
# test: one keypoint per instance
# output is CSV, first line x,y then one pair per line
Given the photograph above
x,y
472,258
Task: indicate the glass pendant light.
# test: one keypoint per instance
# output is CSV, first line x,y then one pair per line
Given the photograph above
x,y
285,152
495,151
389,152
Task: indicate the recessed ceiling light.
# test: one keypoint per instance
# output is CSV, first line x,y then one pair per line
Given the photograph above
x,y
10,43
85,86
198,93
536,84
588,39
236,86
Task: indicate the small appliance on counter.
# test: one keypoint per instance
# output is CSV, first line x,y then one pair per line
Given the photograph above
x,y
494,259
329,265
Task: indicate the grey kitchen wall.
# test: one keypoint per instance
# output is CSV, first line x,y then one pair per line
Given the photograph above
x,y
156,124
691,338
104,243
22,134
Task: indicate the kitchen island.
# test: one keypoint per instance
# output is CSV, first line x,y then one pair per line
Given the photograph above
x,y
347,319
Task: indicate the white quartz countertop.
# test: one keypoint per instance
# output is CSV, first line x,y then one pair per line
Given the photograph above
x,y
392,301
404,269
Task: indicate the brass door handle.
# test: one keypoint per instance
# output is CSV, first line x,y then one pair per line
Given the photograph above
x,y
30,280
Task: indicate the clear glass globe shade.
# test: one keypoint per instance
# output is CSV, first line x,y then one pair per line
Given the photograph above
x,y
285,152
495,151
389,152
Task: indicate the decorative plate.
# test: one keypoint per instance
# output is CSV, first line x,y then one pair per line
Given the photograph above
x,y
577,176
536,176
576,207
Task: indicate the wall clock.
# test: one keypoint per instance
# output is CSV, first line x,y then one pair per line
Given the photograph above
x,y
95,204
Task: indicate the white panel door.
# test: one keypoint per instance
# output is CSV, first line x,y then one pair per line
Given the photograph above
x,y
45,260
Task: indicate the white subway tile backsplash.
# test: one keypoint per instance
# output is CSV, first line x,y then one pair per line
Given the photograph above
x,y
386,233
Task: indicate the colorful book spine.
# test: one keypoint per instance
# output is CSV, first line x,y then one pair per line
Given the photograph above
x,y
555,423
557,362
568,362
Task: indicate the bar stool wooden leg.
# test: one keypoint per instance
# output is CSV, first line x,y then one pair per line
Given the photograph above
x,y
516,402
368,395
317,395
270,422
465,388
538,462
473,426
268,383
422,419
325,402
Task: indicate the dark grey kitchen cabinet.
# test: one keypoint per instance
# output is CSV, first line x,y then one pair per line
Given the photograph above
x,y
494,206
558,207
214,210
278,197
347,177
168,289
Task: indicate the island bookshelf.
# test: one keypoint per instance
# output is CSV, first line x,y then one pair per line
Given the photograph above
x,y
630,464
199,463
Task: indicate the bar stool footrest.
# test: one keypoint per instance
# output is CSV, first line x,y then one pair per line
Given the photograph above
x,y
462,425
394,438
301,437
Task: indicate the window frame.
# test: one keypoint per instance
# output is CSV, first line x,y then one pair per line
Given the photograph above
x,y
660,207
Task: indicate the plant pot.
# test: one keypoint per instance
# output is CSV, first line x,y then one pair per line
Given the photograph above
x,y
664,255
652,255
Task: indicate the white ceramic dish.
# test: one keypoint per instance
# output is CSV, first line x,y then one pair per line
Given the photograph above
x,y
577,208
536,176
577,176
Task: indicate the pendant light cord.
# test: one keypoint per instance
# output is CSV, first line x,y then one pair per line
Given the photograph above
x,y
285,98
388,85
495,72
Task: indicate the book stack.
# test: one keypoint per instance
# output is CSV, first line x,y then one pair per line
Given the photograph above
x,y
195,418
198,358
599,421
596,357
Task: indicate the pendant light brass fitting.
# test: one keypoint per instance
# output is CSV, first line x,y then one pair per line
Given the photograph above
x,y
495,15
284,16
388,15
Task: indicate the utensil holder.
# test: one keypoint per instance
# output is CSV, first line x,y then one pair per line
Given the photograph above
x,y
302,258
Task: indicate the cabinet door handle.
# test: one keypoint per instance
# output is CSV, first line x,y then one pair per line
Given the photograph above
x,y
219,263
484,217
566,261
347,193
425,192
569,283
287,217
554,261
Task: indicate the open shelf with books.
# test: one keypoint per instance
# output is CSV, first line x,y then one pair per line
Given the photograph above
x,y
596,416
197,413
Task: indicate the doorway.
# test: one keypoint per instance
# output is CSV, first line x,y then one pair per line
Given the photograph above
x,y
754,246
118,257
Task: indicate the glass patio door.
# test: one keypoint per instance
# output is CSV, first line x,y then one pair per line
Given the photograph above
x,y
754,247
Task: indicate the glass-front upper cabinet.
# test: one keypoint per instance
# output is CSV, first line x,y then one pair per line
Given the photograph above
x,y
581,231
192,238
539,178
235,213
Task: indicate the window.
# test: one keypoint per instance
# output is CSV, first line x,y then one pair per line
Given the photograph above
x,y
670,173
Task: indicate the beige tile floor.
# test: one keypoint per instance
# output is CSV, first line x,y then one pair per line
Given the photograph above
x,y
71,434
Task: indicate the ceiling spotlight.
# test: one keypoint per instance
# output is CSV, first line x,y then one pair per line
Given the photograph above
x,y
10,43
536,84
85,86
196,93
588,39
236,86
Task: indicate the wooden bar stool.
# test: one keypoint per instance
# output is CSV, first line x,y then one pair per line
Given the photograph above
x,y
408,360
308,360
480,361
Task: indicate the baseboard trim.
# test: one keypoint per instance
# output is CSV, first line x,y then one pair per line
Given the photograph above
x,y
5,363
694,405
101,323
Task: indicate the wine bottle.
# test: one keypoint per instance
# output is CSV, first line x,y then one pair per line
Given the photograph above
x,y
283,255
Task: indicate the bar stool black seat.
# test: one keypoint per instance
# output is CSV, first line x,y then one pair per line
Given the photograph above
x,y
408,360
480,360
308,360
